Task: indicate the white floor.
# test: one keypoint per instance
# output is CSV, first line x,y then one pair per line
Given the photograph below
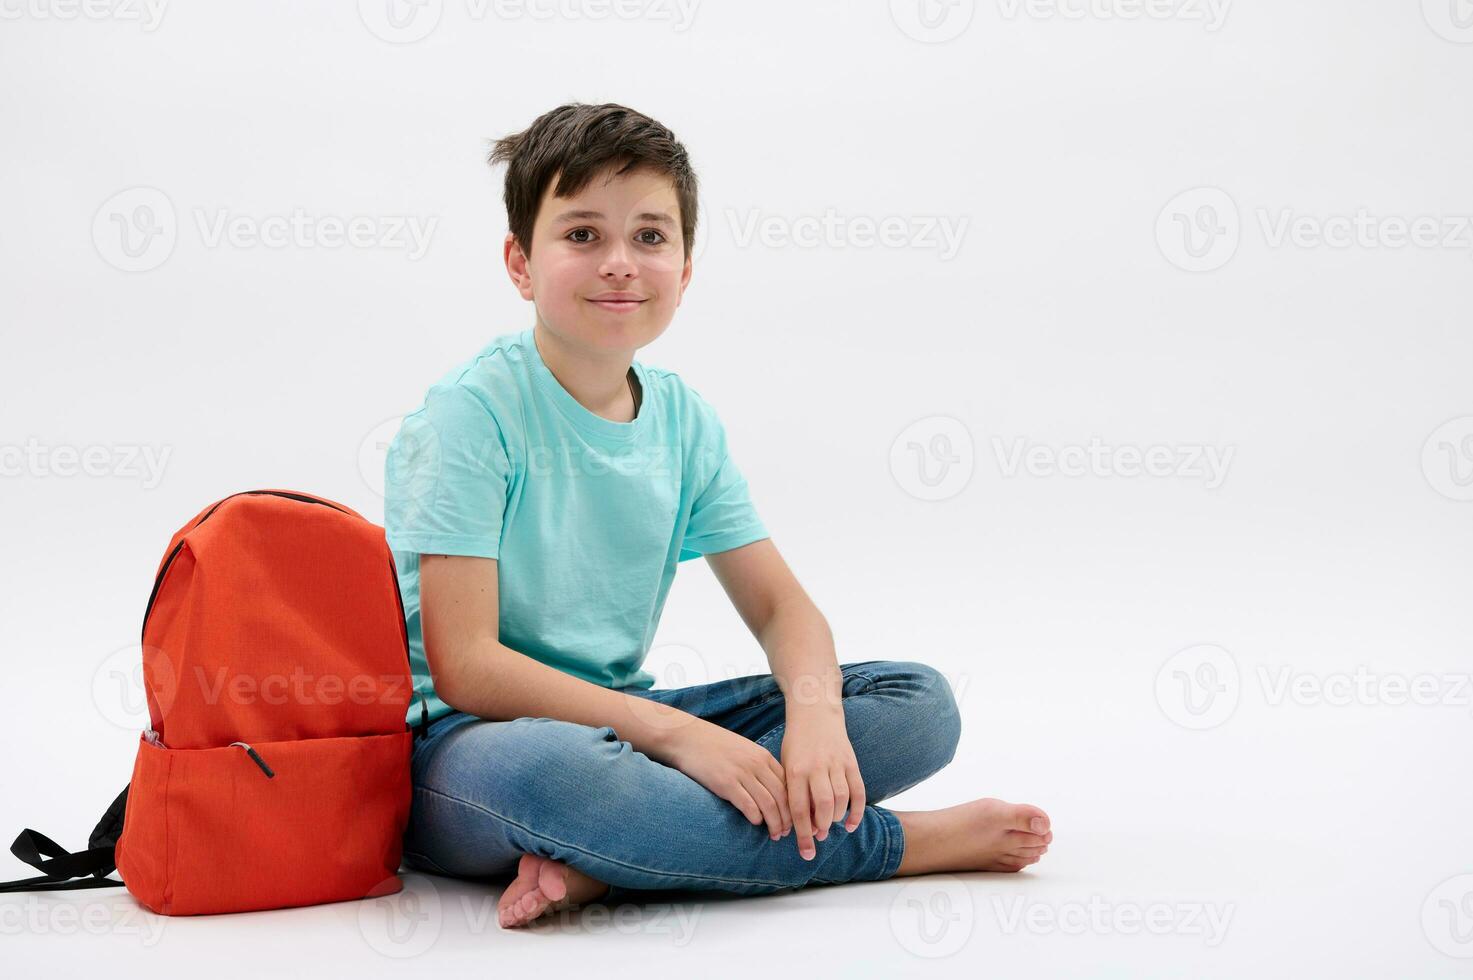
x,y
1272,853
1312,821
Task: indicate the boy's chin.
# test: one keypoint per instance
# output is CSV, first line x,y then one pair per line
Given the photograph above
x,y
600,334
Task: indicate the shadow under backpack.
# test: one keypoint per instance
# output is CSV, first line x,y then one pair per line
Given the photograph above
x,y
276,768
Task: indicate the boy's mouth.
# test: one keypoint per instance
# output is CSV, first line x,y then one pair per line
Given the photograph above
x,y
617,302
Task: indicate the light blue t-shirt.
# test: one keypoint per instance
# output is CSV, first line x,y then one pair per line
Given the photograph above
x,y
586,517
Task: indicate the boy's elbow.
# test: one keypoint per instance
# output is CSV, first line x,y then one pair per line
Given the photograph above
x,y
443,675
455,676
447,693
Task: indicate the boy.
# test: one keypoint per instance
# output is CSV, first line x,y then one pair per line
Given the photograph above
x,y
538,504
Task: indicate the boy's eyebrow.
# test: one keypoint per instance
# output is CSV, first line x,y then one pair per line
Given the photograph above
x,y
658,218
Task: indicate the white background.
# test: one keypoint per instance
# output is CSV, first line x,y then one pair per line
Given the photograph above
x,y
1073,308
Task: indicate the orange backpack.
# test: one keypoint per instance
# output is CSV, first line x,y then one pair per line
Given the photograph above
x,y
275,772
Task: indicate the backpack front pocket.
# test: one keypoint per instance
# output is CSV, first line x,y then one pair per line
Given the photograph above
x,y
266,824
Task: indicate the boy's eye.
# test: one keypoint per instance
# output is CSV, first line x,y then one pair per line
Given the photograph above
x,y
659,238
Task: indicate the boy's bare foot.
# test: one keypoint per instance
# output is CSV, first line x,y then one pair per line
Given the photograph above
x,y
983,835
544,885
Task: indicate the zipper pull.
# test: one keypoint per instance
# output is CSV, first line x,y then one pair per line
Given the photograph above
x,y
256,759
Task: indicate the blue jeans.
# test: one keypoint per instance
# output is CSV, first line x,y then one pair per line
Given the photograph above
x,y
486,792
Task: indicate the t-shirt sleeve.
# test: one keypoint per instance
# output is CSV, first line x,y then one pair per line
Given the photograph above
x,y
722,516
446,476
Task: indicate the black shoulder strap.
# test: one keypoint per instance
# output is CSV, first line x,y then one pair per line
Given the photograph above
x,y
58,866
424,720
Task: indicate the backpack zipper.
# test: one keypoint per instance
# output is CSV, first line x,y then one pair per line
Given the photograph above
x,y
159,579
304,498
256,759
152,737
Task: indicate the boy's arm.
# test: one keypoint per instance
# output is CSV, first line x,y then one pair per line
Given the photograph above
x,y
788,626
475,673
820,768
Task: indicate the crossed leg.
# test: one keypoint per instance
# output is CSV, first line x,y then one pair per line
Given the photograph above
x,y
521,796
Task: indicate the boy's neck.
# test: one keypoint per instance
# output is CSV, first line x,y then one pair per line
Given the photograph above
x,y
599,384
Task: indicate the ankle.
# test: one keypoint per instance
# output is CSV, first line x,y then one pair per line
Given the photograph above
x,y
919,830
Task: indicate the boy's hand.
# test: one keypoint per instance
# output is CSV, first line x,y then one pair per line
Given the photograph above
x,y
736,769
823,776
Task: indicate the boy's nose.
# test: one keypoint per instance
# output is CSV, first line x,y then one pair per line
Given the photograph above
x,y
617,261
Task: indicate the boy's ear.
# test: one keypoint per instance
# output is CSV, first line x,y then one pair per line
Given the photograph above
x,y
516,265
684,279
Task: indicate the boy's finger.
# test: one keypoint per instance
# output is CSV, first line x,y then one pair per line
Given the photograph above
x,y
802,822
767,805
782,778
856,799
779,792
743,801
823,804
841,795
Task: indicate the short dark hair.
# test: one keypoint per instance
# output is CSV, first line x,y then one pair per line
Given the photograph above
x,y
579,141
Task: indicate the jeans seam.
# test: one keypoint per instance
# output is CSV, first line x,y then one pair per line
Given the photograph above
x,y
767,698
870,680
419,858
887,870
600,857
889,843
774,695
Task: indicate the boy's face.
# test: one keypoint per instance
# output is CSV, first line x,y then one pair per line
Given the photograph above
x,y
618,236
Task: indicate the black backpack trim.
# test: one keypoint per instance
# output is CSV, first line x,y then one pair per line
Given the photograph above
x,y
63,870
